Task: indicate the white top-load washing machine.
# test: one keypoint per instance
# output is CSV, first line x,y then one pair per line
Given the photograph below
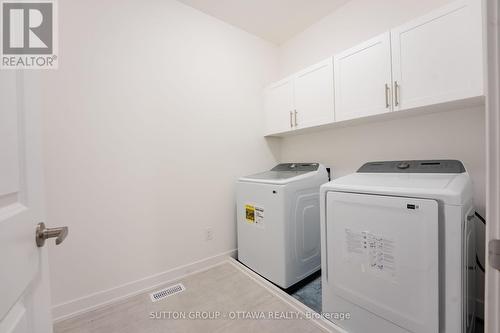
x,y
397,248
278,221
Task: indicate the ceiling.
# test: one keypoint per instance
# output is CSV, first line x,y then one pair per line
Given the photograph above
x,y
273,20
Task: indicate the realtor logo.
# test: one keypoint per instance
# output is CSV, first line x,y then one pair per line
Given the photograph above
x,y
28,34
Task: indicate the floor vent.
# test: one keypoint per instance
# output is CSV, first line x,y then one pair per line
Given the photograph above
x,y
166,292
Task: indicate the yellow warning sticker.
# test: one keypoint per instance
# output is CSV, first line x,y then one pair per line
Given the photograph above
x,y
254,215
250,213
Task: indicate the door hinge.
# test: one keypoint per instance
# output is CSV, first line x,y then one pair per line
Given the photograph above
x,y
494,253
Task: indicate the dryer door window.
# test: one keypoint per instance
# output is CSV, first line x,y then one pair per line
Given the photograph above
x,y
383,258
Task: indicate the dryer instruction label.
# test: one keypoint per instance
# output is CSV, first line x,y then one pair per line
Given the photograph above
x,y
376,253
254,214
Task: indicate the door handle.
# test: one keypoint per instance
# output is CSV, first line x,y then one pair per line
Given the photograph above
x,y
43,233
295,117
291,121
387,93
396,93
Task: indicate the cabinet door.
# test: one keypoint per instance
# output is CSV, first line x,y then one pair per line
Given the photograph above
x,y
314,95
363,79
279,107
438,58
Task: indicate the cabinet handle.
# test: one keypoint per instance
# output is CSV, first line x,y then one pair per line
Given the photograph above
x,y
295,116
387,93
291,121
396,93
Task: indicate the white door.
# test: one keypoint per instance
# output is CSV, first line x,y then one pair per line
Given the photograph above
x,y
382,265
363,79
492,292
314,95
438,57
278,106
24,285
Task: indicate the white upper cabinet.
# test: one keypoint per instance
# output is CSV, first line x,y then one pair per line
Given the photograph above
x,y
279,108
439,57
433,60
363,79
302,100
314,95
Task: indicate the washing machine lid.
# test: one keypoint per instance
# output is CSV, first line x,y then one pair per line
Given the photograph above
x,y
283,173
444,180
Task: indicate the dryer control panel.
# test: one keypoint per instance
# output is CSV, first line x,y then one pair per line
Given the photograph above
x,y
416,166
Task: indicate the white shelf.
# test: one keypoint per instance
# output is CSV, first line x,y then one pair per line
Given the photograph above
x,y
436,108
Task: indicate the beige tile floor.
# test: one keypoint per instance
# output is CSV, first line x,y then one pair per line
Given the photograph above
x,y
223,289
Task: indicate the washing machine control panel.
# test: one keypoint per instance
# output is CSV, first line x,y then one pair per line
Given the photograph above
x,y
296,167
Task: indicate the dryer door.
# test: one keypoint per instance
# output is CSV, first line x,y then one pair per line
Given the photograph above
x,y
383,262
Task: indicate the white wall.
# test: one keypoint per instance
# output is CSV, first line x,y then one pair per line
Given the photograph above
x,y
458,134
153,113
448,135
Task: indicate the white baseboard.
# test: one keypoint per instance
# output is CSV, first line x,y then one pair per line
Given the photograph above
x,y
99,299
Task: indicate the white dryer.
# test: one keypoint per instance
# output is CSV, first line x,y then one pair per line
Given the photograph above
x,y
278,221
397,248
